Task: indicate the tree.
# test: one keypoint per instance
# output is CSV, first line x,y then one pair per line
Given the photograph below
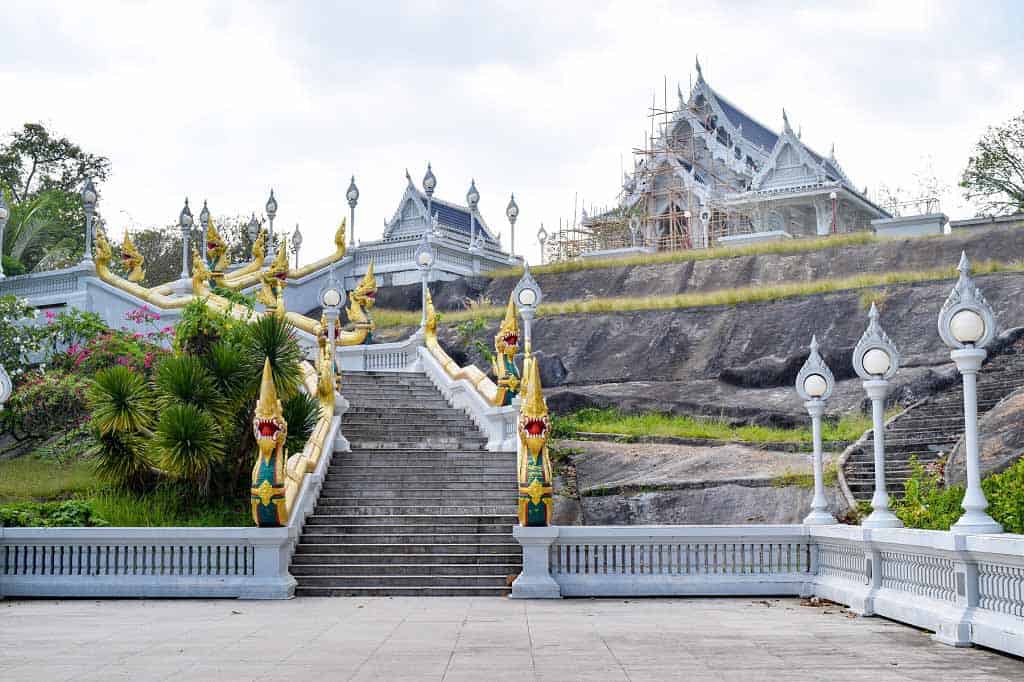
x,y
994,177
40,175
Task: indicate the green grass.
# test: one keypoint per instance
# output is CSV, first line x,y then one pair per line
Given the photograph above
x,y
787,247
33,489
735,296
848,428
35,479
830,478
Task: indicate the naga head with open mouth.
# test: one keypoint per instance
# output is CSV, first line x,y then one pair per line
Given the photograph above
x,y
506,342
534,425
132,259
268,424
365,294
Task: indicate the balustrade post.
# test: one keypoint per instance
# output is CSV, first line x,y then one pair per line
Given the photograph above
x,y
535,581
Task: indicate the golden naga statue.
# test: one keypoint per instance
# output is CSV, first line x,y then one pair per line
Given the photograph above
x,y
533,459
216,249
506,345
360,301
274,278
102,254
327,380
200,275
266,494
132,259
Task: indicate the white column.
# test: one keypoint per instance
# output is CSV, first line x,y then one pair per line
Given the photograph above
x,y
535,581
882,516
820,514
184,254
975,520
424,273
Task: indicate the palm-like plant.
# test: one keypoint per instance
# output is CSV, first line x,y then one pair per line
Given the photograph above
x,y
301,412
120,459
227,368
119,400
187,442
183,379
272,338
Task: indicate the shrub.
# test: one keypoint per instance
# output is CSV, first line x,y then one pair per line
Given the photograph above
x,y
20,339
44,405
49,514
109,349
301,412
71,327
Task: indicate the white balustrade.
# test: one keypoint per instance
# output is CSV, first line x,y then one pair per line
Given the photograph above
x,y
965,588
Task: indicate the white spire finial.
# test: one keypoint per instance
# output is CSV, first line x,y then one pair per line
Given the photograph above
x,y
814,343
832,152
965,265
873,313
785,122
700,73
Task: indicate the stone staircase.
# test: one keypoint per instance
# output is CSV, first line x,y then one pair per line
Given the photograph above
x,y
930,430
418,507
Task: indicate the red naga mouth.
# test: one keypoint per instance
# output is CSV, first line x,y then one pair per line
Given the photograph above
x,y
371,295
282,276
211,245
511,339
266,428
535,427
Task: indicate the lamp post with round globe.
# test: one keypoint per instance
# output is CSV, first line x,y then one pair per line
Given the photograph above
x,y
297,244
967,324
528,296
833,197
876,360
512,213
814,383
252,230
89,198
271,212
429,185
330,302
185,223
5,213
352,194
542,236
204,221
472,199
424,261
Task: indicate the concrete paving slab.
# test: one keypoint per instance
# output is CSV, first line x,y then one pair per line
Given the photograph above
x,y
476,639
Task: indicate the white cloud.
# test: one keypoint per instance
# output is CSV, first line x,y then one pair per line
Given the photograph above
x,y
223,100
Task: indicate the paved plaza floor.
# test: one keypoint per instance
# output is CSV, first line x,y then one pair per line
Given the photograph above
x,y
485,639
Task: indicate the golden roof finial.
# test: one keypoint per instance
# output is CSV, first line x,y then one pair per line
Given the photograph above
x,y
534,404
268,405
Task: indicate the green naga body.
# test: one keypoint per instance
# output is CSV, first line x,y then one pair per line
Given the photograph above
x,y
506,345
266,495
534,465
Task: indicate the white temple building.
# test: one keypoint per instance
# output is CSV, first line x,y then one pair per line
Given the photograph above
x,y
712,174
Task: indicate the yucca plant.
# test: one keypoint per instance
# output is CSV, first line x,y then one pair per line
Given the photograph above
x,y
120,459
227,368
301,411
187,443
271,337
120,402
183,379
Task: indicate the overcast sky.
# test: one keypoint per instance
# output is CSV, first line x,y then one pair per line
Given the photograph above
x,y
223,100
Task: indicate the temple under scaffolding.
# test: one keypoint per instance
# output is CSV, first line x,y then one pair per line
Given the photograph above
x,y
708,175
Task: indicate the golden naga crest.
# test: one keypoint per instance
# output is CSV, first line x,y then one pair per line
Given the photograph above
x,y
506,342
103,250
534,425
339,240
259,247
216,247
275,276
132,259
366,293
200,273
268,424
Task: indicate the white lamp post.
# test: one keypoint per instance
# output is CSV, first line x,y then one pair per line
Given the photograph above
x,y
89,198
814,383
5,213
967,324
253,230
833,197
424,261
528,296
472,199
876,360
512,212
297,244
330,302
542,236
6,386
271,212
204,221
429,185
185,223
353,197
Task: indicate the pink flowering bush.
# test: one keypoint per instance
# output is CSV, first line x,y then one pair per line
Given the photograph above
x,y
45,404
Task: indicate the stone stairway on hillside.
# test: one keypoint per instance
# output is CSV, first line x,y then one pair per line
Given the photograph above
x,y
418,507
930,430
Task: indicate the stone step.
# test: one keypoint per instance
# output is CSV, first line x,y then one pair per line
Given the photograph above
x,y
346,548
392,569
321,535
411,445
514,557
350,508
411,483
414,519
390,580
381,591
328,525
382,495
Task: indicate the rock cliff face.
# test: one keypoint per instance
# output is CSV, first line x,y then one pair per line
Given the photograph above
x,y
1000,440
